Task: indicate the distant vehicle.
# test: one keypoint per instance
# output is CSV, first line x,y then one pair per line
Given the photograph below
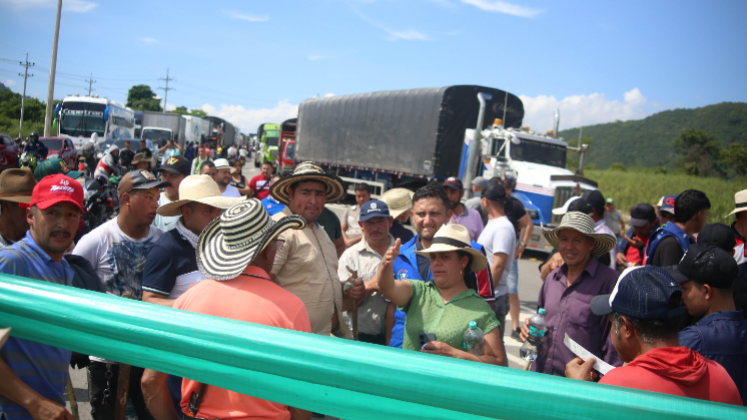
x,y
287,146
9,151
61,148
193,129
221,132
269,144
156,124
159,136
135,146
81,116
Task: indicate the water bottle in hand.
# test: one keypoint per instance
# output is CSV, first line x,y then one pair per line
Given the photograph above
x,y
473,339
537,328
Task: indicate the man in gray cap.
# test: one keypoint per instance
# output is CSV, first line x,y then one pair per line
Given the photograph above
x,y
478,184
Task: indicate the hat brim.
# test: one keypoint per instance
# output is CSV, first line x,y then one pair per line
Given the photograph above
x,y
281,189
217,262
600,305
4,334
171,170
737,210
154,184
26,199
603,242
479,262
676,275
638,222
174,208
43,205
396,213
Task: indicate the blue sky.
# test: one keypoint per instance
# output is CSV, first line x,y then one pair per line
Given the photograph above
x,y
253,62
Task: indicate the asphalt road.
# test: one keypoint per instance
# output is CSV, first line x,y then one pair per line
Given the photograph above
x,y
529,286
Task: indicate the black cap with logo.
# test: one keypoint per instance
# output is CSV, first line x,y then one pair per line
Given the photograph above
x,y
707,264
177,165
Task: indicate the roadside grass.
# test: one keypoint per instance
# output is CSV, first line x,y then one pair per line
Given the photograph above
x,y
631,188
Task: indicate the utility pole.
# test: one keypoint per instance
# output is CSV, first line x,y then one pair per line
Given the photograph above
x,y
166,89
90,84
25,75
52,68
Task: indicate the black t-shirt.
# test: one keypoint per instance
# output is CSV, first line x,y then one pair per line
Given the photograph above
x,y
126,156
241,184
667,253
514,211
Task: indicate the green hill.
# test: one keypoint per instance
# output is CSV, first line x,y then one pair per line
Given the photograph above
x,y
648,142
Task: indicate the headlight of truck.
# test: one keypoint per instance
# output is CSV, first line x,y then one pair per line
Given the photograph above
x,y
533,214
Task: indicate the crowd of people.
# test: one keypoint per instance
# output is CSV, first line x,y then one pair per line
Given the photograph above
x,y
662,308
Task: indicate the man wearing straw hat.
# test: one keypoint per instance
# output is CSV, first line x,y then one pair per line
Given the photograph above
x,y
399,201
16,185
234,253
307,264
740,231
171,265
567,292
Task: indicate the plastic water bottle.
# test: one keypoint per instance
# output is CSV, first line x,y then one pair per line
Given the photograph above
x,y
473,339
537,329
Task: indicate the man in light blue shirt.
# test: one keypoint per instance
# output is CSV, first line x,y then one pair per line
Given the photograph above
x,y
34,374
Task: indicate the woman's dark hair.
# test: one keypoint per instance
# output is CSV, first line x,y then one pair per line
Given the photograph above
x,y
470,279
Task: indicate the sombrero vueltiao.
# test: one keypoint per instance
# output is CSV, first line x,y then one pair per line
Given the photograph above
x,y
603,242
231,242
455,238
308,171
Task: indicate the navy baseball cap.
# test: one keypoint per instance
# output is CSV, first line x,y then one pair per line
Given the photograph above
x,y
667,203
708,264
373,208
645,292
454,184
641,214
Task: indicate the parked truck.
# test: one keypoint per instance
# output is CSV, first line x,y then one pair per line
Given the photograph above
x,y
409,138
160,127
269,141
222,132
193,129
286,153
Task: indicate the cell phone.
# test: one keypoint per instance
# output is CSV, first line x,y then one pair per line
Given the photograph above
x,y
426,338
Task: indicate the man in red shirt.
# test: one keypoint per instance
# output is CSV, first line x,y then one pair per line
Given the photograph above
x,y
234,252
260,184
631,250
645,308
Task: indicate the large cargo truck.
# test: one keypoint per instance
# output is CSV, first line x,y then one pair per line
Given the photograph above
x,y
160,127
409,138
193,129
222,132
269,143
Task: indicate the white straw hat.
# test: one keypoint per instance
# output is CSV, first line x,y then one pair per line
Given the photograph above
x,y
221,164
603,242
399,200
455,238
231,242
201,189
740,200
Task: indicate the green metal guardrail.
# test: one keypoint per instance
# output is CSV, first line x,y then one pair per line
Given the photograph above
x,y
333,376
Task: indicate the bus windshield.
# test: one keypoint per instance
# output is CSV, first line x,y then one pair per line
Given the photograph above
x,y
539,152
82,119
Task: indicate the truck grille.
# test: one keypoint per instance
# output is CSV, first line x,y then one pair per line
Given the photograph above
x,y
562,194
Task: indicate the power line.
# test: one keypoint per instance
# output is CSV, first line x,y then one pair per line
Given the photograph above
x,y
25,75
90,84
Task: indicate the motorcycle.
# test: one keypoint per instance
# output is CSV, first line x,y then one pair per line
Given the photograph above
x,y
28,160
100,202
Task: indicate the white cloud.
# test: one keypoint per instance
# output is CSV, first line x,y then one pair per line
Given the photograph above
x,y
9,82
581,110
503,7
329,95
407,34
249,119
78,6
170,107
232,14
314,57
149,41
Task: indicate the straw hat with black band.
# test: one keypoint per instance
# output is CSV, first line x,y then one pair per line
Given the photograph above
x,y
308,171
16,185
740,200
455,238
583,223
231,242
399,200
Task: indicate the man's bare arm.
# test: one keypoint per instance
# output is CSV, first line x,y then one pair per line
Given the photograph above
x,y
14,389
298,414
157,299
157,396
500,260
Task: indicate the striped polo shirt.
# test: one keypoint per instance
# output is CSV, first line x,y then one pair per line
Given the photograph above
x,y
44,368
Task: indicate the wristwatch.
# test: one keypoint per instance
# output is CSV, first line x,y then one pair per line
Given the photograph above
x,y
523,244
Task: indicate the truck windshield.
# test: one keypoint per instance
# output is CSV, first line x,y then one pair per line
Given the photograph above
x,y
290,151
82,119
156,135
272,141
538,152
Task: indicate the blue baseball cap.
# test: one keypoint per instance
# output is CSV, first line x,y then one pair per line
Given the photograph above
x,y
646,292
667,203
373,208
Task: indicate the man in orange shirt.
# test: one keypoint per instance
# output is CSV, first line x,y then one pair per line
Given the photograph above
x,y
645,309
235,257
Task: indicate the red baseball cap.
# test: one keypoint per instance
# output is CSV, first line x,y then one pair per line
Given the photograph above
x,y
55,189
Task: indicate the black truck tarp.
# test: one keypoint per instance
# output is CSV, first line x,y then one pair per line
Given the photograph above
x,y
415,131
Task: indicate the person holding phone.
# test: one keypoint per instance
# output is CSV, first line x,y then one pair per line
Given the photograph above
x,y
171,148
439,311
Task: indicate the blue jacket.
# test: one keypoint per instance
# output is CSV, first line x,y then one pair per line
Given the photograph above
x,y
670,229
406,267
721,337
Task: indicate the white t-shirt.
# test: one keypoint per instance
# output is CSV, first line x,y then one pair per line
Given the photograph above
x,y
499,237
165,223
118,259
231,191
351,216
